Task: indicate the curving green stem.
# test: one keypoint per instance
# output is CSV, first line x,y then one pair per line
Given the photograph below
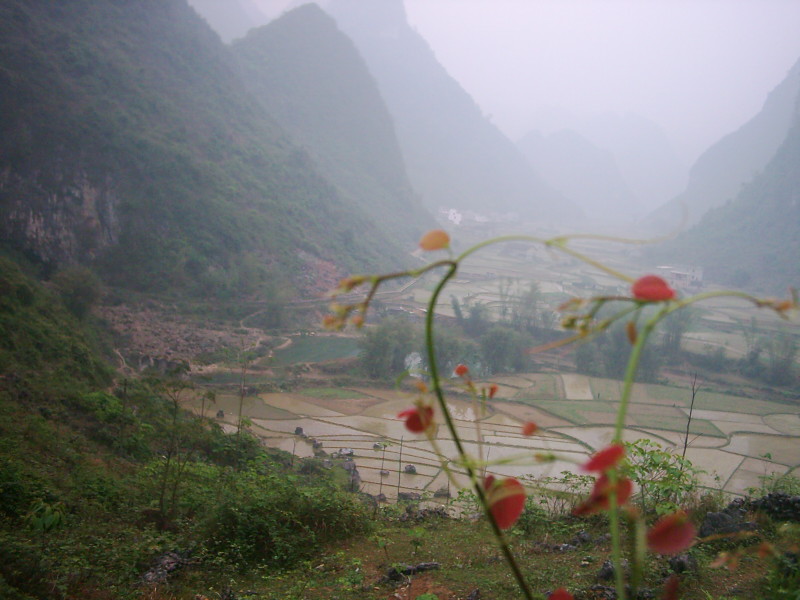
x,y
463,456
630,376
560,244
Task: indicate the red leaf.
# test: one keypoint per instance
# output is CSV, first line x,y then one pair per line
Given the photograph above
x,y
506,500
418,419
492,390
671,534
604,459
672,587
652,288
600,498
529,428
461,370
561,594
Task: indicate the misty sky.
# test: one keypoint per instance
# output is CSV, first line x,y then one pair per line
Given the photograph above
x,y
698,68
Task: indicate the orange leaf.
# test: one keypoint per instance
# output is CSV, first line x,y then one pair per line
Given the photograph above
x,y
461,370
529,428
630,329
436,239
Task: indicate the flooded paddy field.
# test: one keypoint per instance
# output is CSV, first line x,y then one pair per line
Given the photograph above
x,y
735,440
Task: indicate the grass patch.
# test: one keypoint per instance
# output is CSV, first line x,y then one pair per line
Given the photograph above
x,y
316,349
544,386
738,404
674,395
610,389
329,392
234,377
575,411
671,423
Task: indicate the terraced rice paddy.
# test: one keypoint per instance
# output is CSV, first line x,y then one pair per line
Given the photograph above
x,y
735,440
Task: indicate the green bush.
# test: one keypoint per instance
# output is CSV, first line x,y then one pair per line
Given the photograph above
x,y
666,481
269,519
783,581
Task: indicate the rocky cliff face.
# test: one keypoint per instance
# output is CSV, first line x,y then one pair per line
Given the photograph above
x,y
61,217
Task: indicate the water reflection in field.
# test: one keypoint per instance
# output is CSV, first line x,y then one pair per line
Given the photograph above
x,y
365,428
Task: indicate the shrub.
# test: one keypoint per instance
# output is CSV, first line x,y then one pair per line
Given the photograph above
x,y
269,519
666,481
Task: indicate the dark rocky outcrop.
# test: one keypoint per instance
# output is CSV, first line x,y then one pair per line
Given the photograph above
x,y
728,521
779,506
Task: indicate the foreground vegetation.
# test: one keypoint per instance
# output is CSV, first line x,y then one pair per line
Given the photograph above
x,y
103,480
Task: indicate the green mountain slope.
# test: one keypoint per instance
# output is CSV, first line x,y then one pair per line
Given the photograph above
x,y
42,346
722,170
311,78
754,240
455,156
129,142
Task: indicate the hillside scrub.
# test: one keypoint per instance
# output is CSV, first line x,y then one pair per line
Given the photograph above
x,y
98,479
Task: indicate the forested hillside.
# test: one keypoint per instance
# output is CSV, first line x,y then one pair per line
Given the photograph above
x,y
130,143
753,241
312,79
735,160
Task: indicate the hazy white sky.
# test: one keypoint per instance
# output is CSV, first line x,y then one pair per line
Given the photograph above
x,y
698,68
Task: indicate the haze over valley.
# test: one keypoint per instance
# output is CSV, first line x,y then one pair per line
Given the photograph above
x,y
244,253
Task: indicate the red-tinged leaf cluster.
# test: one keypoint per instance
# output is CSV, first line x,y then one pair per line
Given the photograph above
x,y
561,594
418,419
600,498
671,534
605,459
672,588
505,498
652,288
436,239
529,428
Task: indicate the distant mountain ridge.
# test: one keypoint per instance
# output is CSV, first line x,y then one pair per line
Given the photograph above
x,y
753,240
722,170
642,152
312,80
130,143
454,156
584,173
231,19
